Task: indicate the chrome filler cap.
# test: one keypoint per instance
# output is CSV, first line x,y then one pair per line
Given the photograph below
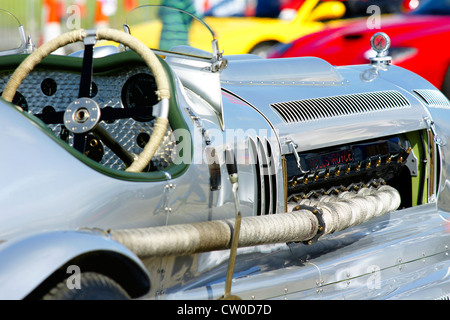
x,y
380,43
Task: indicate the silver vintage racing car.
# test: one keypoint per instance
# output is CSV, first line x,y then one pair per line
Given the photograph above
x,y
176,173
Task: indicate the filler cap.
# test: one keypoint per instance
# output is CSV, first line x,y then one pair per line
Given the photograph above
x,y
380,43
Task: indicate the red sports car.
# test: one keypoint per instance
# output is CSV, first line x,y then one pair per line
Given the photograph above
x,y
420,42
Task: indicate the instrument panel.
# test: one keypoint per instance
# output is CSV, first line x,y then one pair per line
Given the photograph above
x,y
47,91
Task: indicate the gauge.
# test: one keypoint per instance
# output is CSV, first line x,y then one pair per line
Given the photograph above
x,y
49,87
19,100
139,93
380,42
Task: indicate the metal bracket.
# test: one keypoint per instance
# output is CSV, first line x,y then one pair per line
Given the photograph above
x,y
218,63
292,147
430,126
412,163
318,214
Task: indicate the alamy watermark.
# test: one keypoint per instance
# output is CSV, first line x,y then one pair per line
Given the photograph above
x,y
73,20
374,21
74,280
250,147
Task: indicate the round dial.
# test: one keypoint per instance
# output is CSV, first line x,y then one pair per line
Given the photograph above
x,y
139,93
49,87
380,42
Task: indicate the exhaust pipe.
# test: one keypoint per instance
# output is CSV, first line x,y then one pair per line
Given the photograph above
x,y
303,224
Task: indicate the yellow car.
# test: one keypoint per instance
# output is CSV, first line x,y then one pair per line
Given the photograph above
x,y
235,35
238,35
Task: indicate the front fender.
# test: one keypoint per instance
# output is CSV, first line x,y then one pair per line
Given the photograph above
x,y
27,262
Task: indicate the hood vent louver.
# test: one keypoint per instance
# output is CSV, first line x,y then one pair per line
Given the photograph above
x,y
336,106
433,98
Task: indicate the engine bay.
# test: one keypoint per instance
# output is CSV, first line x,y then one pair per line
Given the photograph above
x,y
350,167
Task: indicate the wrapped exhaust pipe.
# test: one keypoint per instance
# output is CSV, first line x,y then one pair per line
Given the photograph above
x,y
330,214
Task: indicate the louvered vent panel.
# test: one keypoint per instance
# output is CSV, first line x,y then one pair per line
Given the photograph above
x,y
336,106
434,98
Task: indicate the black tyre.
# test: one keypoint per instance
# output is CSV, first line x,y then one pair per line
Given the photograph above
x,y
93,286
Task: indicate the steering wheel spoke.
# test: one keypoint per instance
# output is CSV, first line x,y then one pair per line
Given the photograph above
x,y
120,151
86,72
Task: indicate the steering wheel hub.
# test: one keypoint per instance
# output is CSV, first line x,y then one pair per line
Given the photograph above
x,y
82,115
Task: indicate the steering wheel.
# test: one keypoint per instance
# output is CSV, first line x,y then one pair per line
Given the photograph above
x,y
83,115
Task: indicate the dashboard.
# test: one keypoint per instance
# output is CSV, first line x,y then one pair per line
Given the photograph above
x,y
46,93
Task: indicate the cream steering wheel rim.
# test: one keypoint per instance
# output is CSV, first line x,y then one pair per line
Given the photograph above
x,y
134,44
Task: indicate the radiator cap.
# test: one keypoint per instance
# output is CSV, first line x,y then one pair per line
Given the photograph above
x,y
380,43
